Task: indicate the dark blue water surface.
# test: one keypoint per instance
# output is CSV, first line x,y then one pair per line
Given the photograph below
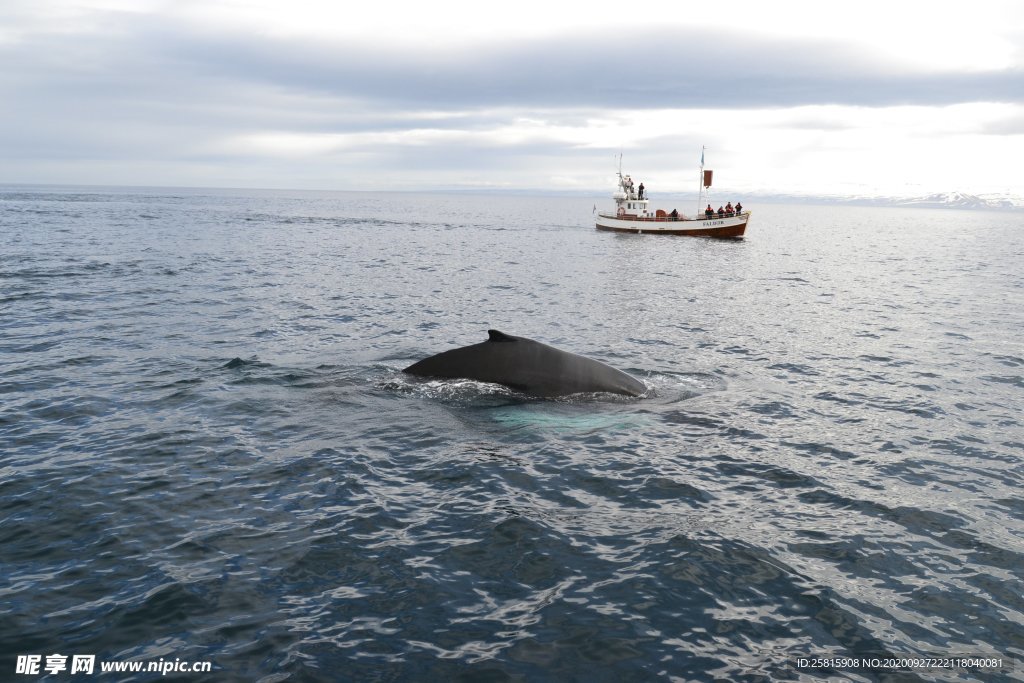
x,y
209,452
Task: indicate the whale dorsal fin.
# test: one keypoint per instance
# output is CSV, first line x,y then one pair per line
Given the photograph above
x,y
495,336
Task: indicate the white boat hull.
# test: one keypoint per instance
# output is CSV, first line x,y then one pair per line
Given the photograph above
x,y
725,227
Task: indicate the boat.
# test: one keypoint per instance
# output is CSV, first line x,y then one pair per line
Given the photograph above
x,y
633,213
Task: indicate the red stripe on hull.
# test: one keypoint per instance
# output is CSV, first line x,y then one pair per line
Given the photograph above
x,y
729,232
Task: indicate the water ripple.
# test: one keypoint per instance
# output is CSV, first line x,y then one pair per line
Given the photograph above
x,y
208,451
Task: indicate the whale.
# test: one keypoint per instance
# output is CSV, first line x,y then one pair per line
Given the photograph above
x,y
528,366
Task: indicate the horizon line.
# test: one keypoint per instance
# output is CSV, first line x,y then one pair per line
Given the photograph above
x,y
771,196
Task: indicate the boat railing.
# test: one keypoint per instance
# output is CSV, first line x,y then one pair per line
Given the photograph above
x,y
671,219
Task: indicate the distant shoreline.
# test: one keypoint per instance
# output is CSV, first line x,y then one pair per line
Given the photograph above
x,y
946,200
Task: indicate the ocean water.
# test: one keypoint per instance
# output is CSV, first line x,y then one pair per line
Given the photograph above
x,y
208,452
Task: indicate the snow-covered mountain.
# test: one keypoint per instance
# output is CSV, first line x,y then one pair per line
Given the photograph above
x,y
941,200
960,200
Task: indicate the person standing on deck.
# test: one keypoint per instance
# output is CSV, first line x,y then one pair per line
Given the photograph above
x,y
640,191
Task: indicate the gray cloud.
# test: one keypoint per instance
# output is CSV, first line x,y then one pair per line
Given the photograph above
x,y
162,93
600,70
1006,126
137,59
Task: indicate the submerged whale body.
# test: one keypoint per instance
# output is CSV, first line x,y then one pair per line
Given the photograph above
x,y
528,366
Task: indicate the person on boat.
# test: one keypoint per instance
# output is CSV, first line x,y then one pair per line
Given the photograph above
x,y
675,215
739,208
709,212
728,209
629,187
640,191
721,212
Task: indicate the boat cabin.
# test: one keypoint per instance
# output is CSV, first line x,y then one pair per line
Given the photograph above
x,y
627,203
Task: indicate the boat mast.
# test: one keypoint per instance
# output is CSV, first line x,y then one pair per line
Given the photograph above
x,y
700,183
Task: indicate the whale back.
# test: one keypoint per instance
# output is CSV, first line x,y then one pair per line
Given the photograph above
x,y
528,366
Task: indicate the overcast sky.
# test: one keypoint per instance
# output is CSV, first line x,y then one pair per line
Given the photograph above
x,y
860,97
